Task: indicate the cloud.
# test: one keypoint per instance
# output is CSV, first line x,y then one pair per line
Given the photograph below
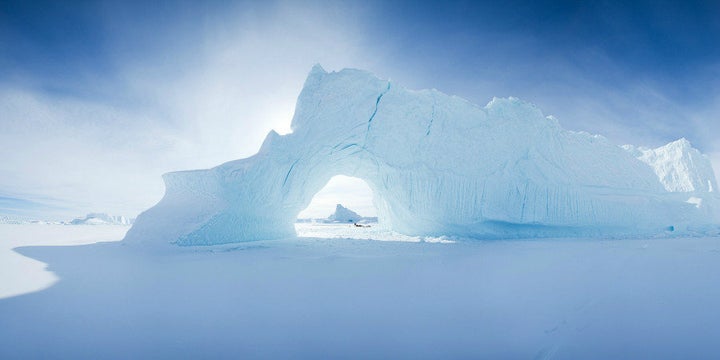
x,y
204,102
191,85
80,152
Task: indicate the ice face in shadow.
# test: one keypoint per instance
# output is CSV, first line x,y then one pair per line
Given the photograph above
x,y
437,165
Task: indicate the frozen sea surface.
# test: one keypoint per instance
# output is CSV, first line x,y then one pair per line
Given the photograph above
x,y
349,298
366,232
21,274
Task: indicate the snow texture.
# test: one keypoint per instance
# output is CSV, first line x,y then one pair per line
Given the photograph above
x,y
437,165
678,166
308,298
20,275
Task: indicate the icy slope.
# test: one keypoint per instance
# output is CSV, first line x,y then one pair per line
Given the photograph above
x,y
679,166
437,165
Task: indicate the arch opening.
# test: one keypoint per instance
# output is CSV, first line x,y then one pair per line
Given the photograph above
x,y
344,207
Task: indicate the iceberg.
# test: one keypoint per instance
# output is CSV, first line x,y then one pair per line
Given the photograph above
x,y
438,165
344,215
102,219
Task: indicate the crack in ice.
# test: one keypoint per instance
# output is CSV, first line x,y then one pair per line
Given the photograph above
x,y
432,118
289,171
372,116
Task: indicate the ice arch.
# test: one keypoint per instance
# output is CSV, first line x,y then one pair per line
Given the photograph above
x,y
438,164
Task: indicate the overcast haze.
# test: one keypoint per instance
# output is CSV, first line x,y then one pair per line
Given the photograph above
x,y
98,99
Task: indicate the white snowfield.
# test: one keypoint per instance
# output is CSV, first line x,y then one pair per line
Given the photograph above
x,y
437,165
339,298
20,274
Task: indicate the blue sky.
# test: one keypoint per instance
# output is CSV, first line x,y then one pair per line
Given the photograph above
x,y
97,99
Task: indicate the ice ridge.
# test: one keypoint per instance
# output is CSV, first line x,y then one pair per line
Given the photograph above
x,y
437,165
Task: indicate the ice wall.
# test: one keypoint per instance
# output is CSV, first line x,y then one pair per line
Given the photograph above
x,y
437,165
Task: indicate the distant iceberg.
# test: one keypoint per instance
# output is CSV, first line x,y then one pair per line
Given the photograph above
x,y
344,215
437,165
102,219
23,220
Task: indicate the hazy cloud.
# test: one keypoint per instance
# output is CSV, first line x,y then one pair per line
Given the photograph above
x,y
101,154
92,116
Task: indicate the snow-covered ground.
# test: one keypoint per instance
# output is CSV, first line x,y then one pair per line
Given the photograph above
x,y
348,298
20,274
371,231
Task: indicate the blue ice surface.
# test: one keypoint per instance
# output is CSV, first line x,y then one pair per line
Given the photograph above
x,y
500,171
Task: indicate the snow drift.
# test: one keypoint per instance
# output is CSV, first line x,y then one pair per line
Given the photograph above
x,y
437,165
